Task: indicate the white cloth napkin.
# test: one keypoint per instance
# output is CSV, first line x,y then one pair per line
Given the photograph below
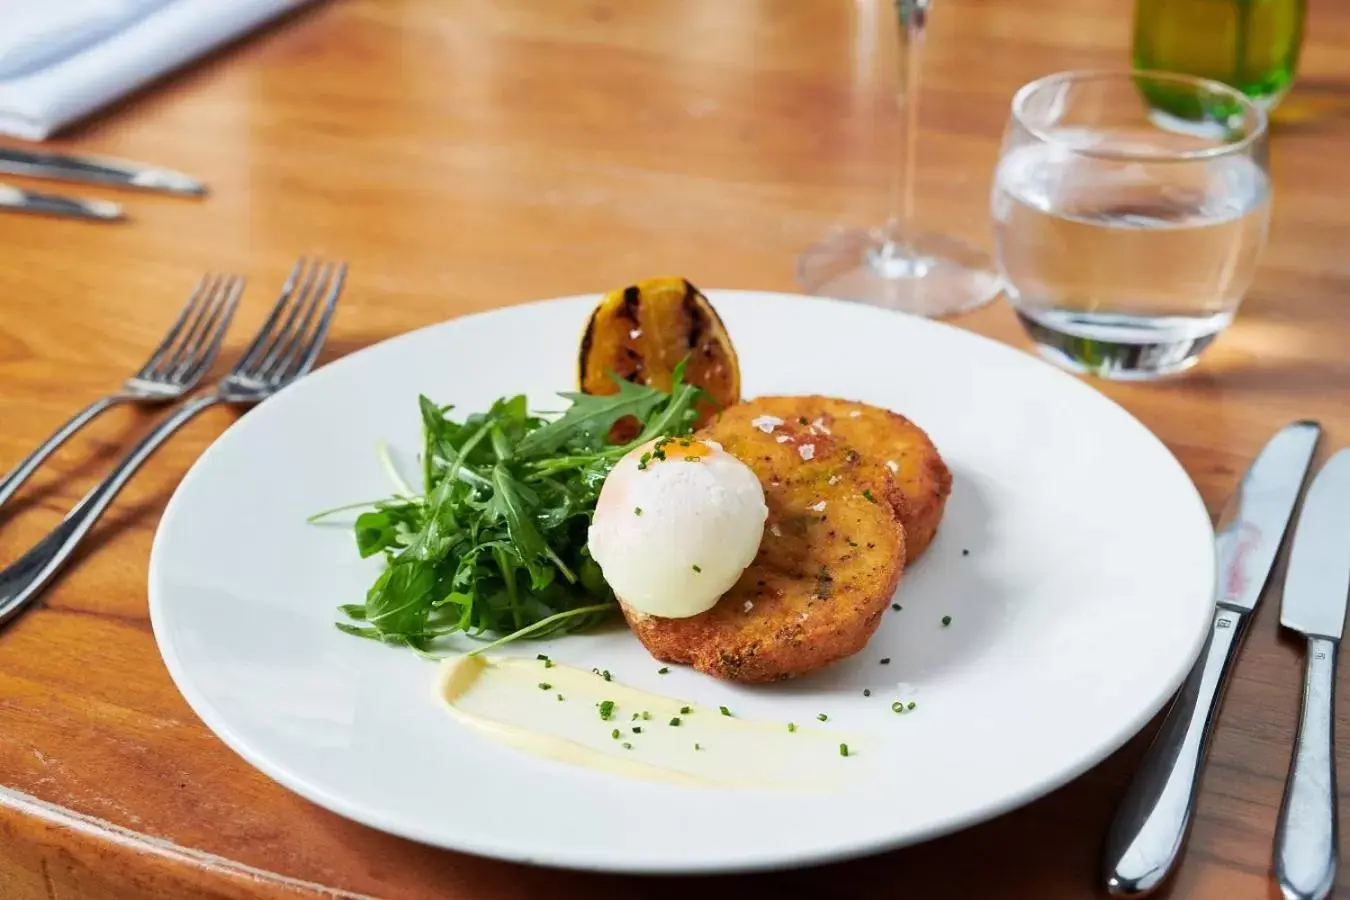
x,y
61,60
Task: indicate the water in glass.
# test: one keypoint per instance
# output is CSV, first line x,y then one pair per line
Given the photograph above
x,y
1126,252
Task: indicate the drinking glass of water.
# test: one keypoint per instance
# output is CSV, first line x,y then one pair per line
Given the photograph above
x,y
1127,230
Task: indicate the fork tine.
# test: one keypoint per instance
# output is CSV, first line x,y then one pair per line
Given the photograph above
x,y
165,345
256,348
205,349
178,360
300,305
280,360
316,341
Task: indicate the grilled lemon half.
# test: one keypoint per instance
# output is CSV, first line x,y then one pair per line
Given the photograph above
x,y
641,332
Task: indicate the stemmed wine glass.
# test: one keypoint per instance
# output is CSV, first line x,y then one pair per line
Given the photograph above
x,y
895,265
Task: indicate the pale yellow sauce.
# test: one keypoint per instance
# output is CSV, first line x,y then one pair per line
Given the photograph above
x,y
502,698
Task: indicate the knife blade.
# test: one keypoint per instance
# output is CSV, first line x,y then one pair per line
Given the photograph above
x,y
1307,838
18,200
97,170
1148,830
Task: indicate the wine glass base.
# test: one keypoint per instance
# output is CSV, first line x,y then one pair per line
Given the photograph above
x,y
933,275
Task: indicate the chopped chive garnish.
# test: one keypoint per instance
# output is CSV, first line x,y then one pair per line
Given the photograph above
x,y
801,420
627,746
637,510
698,746
792,726
635,717
867,692
605,675
895,606
843,749
675,722
697,567
897,706
637,729
965,552
867,495
541,657
646,716
606,709
561,698
885,660
684,710
725,711
946,620
664,670
822,717
614,734
911,705
545,686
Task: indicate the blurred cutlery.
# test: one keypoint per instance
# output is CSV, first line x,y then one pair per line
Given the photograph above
x,y
97,170
34,203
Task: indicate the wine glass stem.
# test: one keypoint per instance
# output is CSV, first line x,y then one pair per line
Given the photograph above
x,y
912,17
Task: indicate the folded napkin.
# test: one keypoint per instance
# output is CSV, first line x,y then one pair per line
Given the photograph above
x,y
61,60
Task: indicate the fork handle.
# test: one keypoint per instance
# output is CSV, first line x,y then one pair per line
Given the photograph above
x,y
24,580
10,483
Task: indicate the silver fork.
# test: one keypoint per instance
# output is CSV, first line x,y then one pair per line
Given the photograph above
x,y
174,369
284,349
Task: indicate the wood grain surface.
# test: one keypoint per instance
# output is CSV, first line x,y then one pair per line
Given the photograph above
x,y
467,154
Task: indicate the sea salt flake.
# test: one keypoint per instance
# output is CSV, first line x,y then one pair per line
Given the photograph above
x,y
819,507
766,424
635,334
807,450
857,413
835,479
892,465
819,425
775,530
749,605
783,439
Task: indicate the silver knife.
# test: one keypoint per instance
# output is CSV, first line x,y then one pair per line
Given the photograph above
x,y
1307,838
1146,834
18,200
97,170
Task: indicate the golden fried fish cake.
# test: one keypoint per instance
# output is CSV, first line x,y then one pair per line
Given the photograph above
x,y
921,480
832,553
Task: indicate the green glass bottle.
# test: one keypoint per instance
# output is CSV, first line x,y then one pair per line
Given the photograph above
x,y
1252,45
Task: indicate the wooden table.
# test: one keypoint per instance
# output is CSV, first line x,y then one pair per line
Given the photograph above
x,y
465,155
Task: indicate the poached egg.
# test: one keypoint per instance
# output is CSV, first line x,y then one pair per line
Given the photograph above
x,y
675,525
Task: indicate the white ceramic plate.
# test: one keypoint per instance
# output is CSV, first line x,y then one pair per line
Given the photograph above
x,y
1083,601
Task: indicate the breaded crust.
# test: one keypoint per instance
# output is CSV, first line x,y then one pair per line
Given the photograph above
x,y
833,551
920,478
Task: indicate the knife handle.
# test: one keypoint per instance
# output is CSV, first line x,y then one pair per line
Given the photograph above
x,y
1150,825
1307,838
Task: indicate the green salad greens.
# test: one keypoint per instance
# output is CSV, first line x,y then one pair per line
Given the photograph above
x,y
494,546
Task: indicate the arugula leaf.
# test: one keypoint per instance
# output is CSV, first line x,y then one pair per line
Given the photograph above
x,y
509,503
590,417
395,603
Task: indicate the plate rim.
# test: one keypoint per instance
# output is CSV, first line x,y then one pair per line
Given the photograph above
x,y
754,861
